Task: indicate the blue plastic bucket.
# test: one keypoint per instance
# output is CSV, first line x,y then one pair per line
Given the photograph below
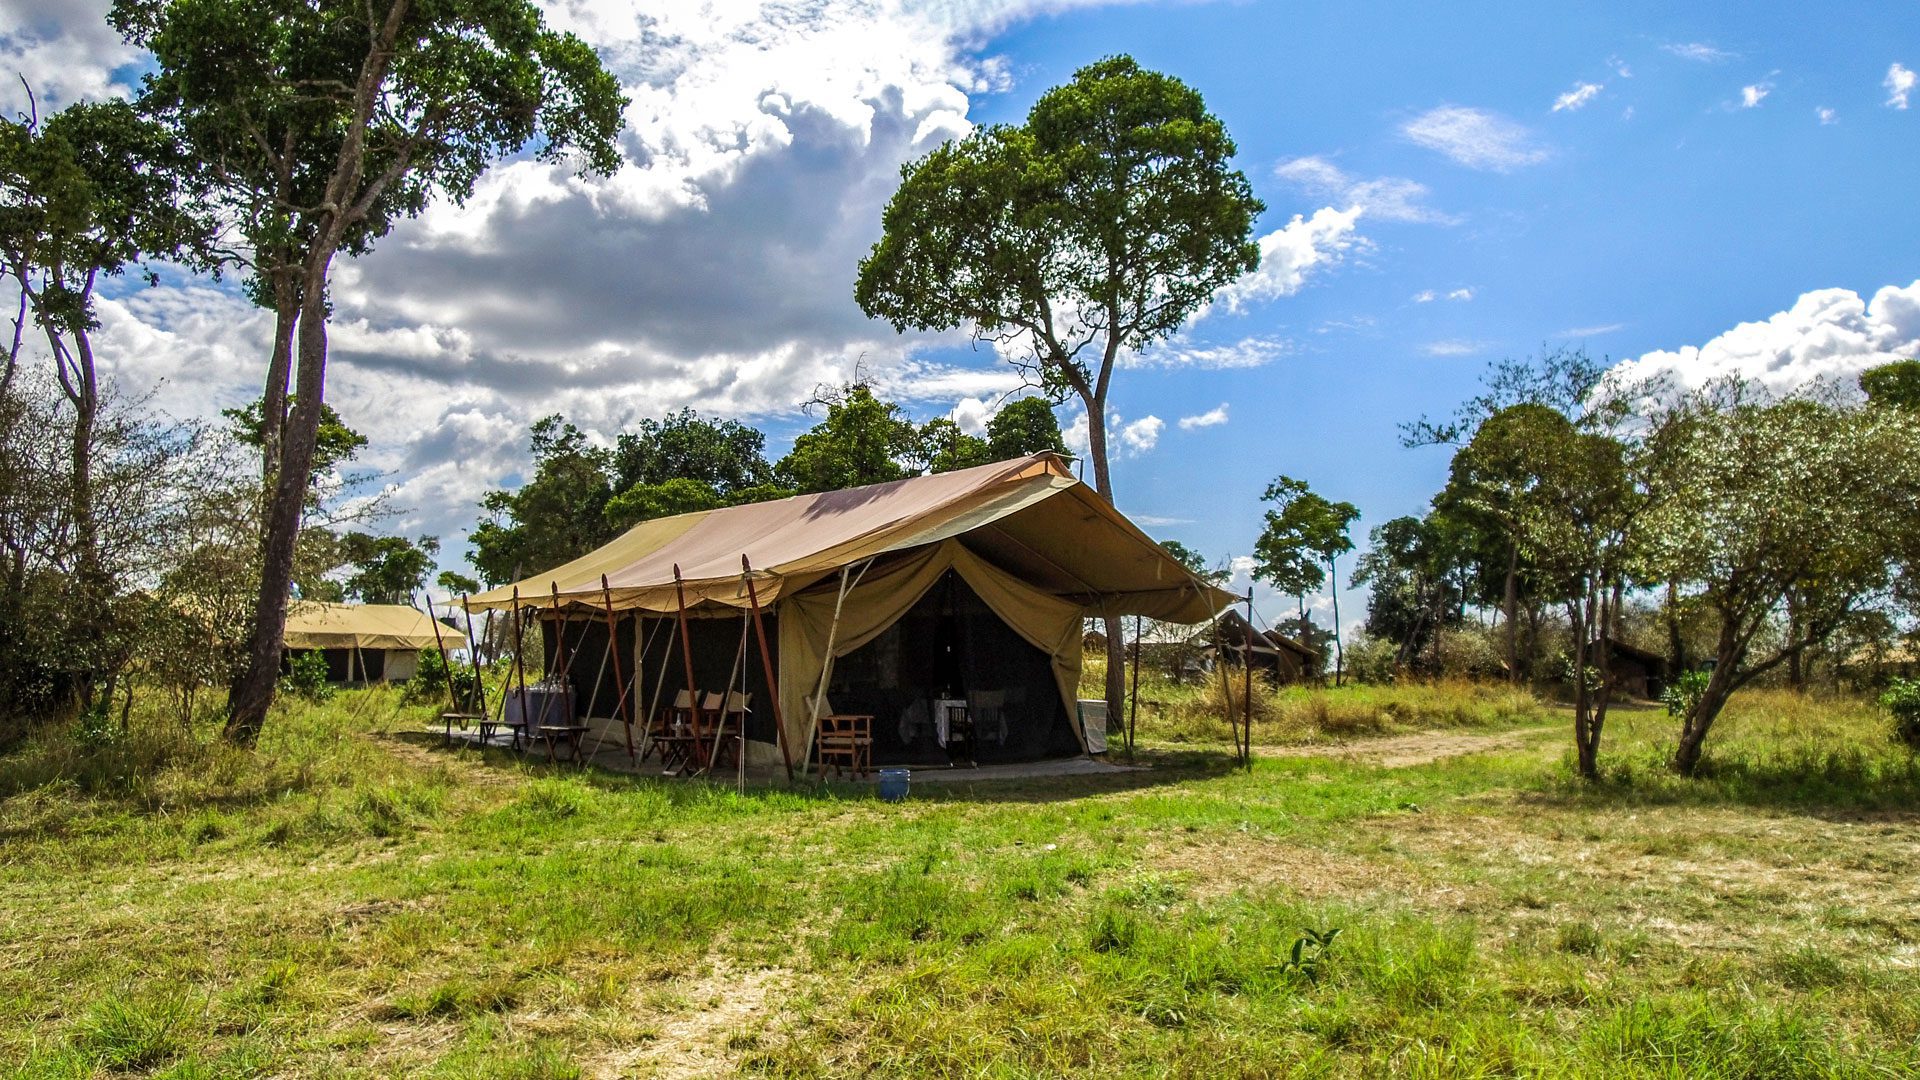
x,y
893,784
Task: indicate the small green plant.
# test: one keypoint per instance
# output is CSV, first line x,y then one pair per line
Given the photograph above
x,y
1685,692
1309,953
1902,699
306,677
431,678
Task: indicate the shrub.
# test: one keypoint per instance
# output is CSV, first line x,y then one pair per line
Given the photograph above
x,y
306,677
430,680
1902,699
1685,691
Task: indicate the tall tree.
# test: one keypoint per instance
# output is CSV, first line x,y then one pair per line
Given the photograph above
x,y
1895,385
1411,594
725,456
862,440
1095,228
84,196
387,569
1024,426
323,122
943,447
1303,535
1785,519
559,514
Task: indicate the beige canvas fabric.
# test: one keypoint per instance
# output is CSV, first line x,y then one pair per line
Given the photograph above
x,y
1028,516
314,625
878,599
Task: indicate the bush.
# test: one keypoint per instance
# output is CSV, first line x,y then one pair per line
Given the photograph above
x,y
1681,696
1902,699
306,677
429,682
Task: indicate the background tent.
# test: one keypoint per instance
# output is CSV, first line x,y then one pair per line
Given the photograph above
x,y
360,642
834,571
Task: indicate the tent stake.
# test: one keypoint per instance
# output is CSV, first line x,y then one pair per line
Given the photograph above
x,y
686,652
619,677
766,662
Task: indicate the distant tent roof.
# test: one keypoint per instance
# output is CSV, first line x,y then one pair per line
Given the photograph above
x,y
1028,516
314,625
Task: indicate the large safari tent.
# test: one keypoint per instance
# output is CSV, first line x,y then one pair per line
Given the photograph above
x,y
361,643
970,584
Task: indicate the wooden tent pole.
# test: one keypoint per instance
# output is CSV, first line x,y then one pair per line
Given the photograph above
x,y
473,657
562,662
1246,747
453,697
686,653
619,675
766,662
1133,702
519,659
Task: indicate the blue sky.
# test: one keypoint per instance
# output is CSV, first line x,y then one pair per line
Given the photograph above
x,y
1708,192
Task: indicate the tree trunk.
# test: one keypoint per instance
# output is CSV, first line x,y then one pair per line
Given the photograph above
x,y
1512,601
1698,720
1676,641
1116,689
273,397
1339,653
252,692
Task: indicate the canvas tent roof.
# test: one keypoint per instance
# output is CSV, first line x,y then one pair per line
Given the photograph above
x,y
1028,517
315,625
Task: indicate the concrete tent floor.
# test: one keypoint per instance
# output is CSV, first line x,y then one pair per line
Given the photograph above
x,y
611,755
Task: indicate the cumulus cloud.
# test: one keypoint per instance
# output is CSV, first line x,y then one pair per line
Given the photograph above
x,y
1826,334
1211,418
762,139
1461,294
1125,438
1288,255
1699,52
1475,138
1387,198
1753,94
1141,435
1580,95
1899,83
1826,115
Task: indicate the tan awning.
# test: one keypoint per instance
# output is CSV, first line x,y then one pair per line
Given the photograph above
x,y
1028,517
314,625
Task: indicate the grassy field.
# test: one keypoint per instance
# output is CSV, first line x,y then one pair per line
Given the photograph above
x,y
354,901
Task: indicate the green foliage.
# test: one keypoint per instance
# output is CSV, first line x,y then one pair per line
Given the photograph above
x,y
1304,533
306,676
431,679
1024,426
1196,563
943,447
645,502
1682,695
1902,699
724,457
1895,385
387,569
1310,953
558,514
456,583
862,440
335,445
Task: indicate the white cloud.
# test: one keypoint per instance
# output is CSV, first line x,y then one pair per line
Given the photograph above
x,y
1475,138
1461,294
1753,94
1249,352
1452,347
1428,296
1699,52
972,414
1826,115
1580,95
1141,435
1425,296
1388,198
1899,83
1591,331
1125,438
1210,418
1288,255
1619,67
63,49
1826,334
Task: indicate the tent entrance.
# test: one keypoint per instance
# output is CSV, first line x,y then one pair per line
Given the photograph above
x,y
950,644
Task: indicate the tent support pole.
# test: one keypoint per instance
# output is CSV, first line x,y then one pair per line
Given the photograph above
x,y
619,676
1246,746
562,661
1133,701
453,698
519,662
766,663
826,663
473,658
686,649
720,725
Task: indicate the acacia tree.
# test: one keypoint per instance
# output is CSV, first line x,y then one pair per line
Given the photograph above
x,y
1784,519
322,122
1095,228
1305,532
85,195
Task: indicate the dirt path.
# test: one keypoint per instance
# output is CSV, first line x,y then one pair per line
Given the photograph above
x,y
1397,751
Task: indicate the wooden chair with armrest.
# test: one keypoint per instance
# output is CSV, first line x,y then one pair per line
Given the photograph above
x,y
843,740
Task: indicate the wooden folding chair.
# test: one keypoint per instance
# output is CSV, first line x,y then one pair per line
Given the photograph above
x,y
677,742
726,725
844,740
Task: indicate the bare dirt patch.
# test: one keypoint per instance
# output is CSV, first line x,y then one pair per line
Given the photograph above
x,y
1216,867
1400,751
701,1026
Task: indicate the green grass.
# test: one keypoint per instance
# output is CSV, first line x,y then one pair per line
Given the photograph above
x,y
353,901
